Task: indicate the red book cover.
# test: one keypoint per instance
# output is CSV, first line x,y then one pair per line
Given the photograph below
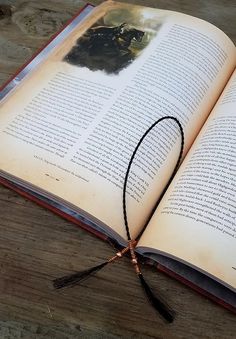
x,y
42,53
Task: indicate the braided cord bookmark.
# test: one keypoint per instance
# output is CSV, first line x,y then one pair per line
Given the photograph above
x,y
156,301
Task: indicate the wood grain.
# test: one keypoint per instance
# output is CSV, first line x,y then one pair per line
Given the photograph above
x,y
37,246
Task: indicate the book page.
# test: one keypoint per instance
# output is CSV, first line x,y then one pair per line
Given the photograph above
x,y
70,128
196,221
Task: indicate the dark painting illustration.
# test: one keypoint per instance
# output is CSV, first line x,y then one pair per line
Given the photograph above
x,y
106,48
111,45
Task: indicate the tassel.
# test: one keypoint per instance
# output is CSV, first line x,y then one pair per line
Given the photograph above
x,y
156,301
74,279
159,305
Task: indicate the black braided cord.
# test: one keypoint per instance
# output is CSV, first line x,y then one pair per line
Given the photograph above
x,y
132,158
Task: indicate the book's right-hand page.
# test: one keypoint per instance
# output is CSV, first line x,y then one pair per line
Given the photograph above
x,y
196,221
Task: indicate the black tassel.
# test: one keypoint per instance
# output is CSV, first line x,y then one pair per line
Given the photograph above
x,y
73,279
156,302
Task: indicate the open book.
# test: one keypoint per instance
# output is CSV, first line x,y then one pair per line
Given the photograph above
x,y
68,128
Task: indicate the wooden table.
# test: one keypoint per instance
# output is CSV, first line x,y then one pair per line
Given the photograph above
x,y
35,244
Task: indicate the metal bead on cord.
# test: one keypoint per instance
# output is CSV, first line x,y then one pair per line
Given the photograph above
x,y
156,301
